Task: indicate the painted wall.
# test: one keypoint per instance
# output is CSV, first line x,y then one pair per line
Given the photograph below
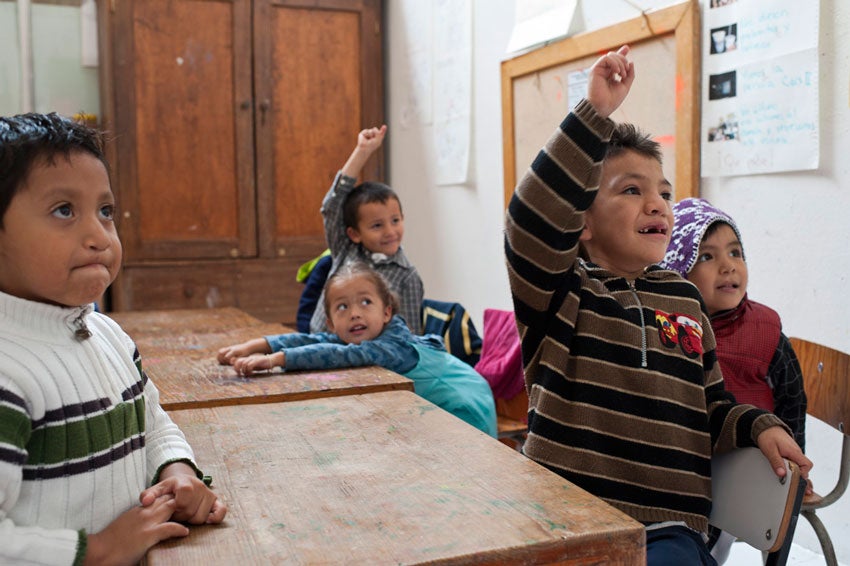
x,y
793,224
61,83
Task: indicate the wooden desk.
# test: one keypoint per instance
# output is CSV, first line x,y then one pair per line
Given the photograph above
x,y
181,361
182,321
384,478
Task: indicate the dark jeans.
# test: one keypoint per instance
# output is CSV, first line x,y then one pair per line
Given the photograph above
x,y
676,546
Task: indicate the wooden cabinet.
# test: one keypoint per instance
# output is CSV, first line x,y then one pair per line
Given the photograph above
x,y
227,122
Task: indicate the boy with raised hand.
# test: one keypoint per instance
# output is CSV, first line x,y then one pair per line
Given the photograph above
x,y
92,470
626,398
365,222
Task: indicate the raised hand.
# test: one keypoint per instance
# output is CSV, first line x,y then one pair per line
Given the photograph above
x,y
371,139
611,78
368,141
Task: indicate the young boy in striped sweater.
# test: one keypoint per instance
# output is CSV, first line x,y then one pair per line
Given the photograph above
x,y
625,396
92,470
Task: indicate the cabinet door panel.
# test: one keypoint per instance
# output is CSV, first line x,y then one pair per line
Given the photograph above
x,y
183,122
322,86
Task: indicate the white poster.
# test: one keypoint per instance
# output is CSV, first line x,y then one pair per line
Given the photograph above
x,y
760,87
452,89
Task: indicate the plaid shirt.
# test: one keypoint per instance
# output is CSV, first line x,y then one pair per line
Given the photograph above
x,y
400,274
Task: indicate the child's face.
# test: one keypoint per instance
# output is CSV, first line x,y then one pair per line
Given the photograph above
x,y
720,272
629,223
380,227
356,312
58,244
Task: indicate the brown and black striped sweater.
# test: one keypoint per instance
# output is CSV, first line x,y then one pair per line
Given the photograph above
x,y
626,397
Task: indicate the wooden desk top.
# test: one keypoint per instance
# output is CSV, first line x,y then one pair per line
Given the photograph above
x,y
182,321
181,361
384,478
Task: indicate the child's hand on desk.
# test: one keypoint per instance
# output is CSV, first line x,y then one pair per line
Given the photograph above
x,y
259,362
229,354
777,444
126,539
194,502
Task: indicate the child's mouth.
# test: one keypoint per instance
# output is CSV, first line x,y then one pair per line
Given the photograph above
x,y
653,230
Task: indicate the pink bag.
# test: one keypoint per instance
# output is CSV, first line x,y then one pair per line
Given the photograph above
x,y
501,356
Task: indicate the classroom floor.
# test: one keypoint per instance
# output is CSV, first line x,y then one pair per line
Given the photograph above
x,y
745,555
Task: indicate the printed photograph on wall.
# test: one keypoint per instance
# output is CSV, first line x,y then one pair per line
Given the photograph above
x,y
726,129
722,85
724,39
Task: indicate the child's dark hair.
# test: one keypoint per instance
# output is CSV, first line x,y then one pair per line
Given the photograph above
x,y
629,137
364,193
357,269
28,138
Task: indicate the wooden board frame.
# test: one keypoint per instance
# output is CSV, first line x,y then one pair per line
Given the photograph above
x,y
680,20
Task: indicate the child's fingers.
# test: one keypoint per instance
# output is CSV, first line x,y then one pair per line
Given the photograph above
x,y
169,530
217,513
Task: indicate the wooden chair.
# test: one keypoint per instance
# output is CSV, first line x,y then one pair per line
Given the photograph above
x,y
511,415
826,378
751,503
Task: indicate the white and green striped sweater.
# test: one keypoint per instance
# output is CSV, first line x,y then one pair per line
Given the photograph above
x,y
81,430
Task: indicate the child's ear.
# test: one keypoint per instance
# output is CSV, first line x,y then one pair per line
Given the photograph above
x,y
353,235
585,234
330,324
388,313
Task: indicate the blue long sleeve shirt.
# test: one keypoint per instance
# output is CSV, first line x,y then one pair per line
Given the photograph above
x,y
393,349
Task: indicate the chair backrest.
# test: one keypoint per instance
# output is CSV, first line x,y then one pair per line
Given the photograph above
x,y
826,379
752,503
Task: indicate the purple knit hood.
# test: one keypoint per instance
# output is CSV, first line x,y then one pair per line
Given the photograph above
x,y
692,216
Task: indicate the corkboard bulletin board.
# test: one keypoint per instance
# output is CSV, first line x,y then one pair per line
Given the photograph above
x,y
664,100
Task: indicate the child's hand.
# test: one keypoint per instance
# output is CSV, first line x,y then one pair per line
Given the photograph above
x,y
194,502
258,362
611,78
228,354
126,539
371,139
777,444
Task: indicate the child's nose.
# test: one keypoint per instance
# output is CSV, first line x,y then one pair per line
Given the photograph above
x,y
655,203
96,235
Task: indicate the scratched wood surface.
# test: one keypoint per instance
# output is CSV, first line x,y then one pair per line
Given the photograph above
x,y
384,478
182,321
179,350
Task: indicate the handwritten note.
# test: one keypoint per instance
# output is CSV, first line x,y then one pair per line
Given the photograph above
x,y
760,108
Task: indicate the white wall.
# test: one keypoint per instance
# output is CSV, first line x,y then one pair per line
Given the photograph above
x,y
61,83
793,224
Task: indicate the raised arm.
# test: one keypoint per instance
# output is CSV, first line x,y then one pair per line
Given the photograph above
x,y
368,141
546,214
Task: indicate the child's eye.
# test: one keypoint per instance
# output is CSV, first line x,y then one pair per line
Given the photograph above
x,y
704,257
366,302
107,211
667,195
62,211
737,252
341,307
631,191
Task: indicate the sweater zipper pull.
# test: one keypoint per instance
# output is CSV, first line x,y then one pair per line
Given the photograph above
x,y
82,332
